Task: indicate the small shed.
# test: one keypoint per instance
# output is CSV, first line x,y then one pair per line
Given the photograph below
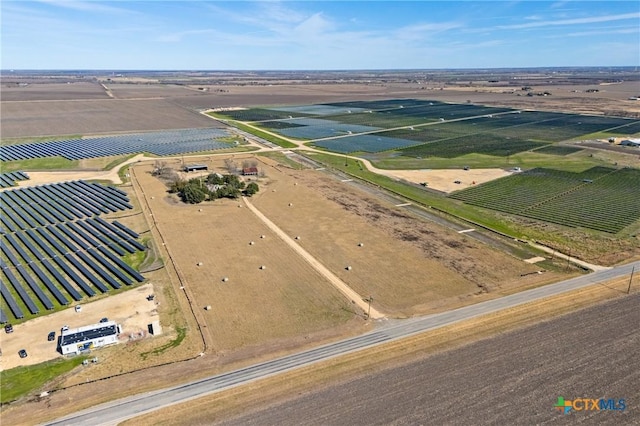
x,y
154,328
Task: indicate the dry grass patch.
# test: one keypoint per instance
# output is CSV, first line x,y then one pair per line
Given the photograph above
x,y
409,266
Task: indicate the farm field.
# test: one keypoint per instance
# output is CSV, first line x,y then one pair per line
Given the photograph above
x,y
91,117
52,91
600,198
149,90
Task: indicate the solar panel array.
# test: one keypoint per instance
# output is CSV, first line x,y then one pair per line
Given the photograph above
x,y
158,143
56,247
9,179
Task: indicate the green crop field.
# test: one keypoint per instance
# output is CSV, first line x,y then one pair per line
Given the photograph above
x,y
601,198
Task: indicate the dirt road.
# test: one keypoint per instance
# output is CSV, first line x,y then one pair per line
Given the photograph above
x,y
322,270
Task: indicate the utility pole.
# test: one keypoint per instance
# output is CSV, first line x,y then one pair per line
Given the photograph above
x,y
370,299
631,279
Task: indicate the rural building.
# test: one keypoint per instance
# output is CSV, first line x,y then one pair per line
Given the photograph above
x,y
631,142
76,340
195,167
250,171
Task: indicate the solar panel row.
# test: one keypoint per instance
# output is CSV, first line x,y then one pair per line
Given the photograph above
x,y
56,244
16,285
46,239
10,178
11,302
53,203
159,143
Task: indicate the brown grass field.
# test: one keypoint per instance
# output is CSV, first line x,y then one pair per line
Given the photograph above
x,y
108,116
53,92
141,91
408,266
287,300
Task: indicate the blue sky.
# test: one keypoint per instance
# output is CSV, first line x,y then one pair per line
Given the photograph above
x,y
288,35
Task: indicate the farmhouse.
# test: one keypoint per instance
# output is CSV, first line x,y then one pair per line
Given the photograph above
x,y
250,171
631,142
195,167
76,340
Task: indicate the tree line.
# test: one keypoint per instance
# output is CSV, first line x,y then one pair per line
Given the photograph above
x,y
212,187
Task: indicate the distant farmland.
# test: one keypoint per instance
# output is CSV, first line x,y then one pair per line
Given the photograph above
x,y
601,198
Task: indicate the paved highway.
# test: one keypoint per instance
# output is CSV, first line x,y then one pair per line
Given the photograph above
x,y
127,408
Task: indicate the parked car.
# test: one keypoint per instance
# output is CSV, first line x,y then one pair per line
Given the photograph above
x,y
457,182
22,353
64,328
8,328
51,336
78,308
105,319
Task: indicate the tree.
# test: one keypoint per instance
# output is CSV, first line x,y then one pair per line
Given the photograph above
x,y
215,179
251,189
162,170
230,165
193,194
177,186
227,192
234,181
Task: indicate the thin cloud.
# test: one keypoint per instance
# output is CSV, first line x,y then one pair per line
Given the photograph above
x,y
600,32
425,30
85,6
179,36
574,21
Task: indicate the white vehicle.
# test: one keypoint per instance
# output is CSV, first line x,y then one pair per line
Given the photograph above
x,y
78,308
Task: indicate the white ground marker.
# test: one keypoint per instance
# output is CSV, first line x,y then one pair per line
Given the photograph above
x,y
466,230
